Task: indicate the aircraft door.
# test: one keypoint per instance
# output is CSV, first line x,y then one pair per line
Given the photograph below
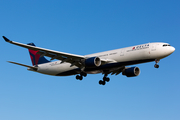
x,y
122,52
153,47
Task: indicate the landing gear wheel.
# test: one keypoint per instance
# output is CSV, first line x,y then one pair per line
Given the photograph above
x,y
104,82
101,82
79,77
156,66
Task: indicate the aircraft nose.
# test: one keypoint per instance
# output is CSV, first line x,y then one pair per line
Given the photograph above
x,y
172,49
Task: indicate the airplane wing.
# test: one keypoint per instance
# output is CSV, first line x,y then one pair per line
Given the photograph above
x,y
64,57
73,59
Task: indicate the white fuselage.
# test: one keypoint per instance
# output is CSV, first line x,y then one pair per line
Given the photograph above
x,y
115,58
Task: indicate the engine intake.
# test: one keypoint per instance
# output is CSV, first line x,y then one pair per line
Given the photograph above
x,y
131,72
92,62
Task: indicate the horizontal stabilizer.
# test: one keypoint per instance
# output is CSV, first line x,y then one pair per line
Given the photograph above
x,y
32,67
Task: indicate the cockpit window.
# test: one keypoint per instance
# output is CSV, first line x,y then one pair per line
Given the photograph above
x,y
166,45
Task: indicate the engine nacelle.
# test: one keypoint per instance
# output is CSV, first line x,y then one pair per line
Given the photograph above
x,y
131,72
92,62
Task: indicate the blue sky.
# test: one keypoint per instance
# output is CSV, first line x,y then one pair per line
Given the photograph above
x,y
84,27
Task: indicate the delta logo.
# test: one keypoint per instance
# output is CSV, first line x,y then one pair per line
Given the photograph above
x,y
141,47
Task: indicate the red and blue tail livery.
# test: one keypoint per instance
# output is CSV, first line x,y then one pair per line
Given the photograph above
x,y
36,58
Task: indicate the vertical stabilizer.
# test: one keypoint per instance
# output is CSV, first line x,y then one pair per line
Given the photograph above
x,y
36,58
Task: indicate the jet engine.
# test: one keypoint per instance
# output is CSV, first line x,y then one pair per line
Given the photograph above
x,y
92,62
131,72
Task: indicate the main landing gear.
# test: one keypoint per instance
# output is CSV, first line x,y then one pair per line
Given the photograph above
x,y
105,79
101,82
80,77
156,65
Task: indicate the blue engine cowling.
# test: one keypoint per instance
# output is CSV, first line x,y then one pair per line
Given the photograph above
x,y
92,62
131,72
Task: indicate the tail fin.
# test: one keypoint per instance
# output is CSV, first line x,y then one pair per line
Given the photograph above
x,y
36,58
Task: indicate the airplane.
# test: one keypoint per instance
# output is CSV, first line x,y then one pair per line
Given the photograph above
x,y
111,62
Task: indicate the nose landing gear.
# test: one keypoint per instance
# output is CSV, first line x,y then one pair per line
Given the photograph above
x,y
156,65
